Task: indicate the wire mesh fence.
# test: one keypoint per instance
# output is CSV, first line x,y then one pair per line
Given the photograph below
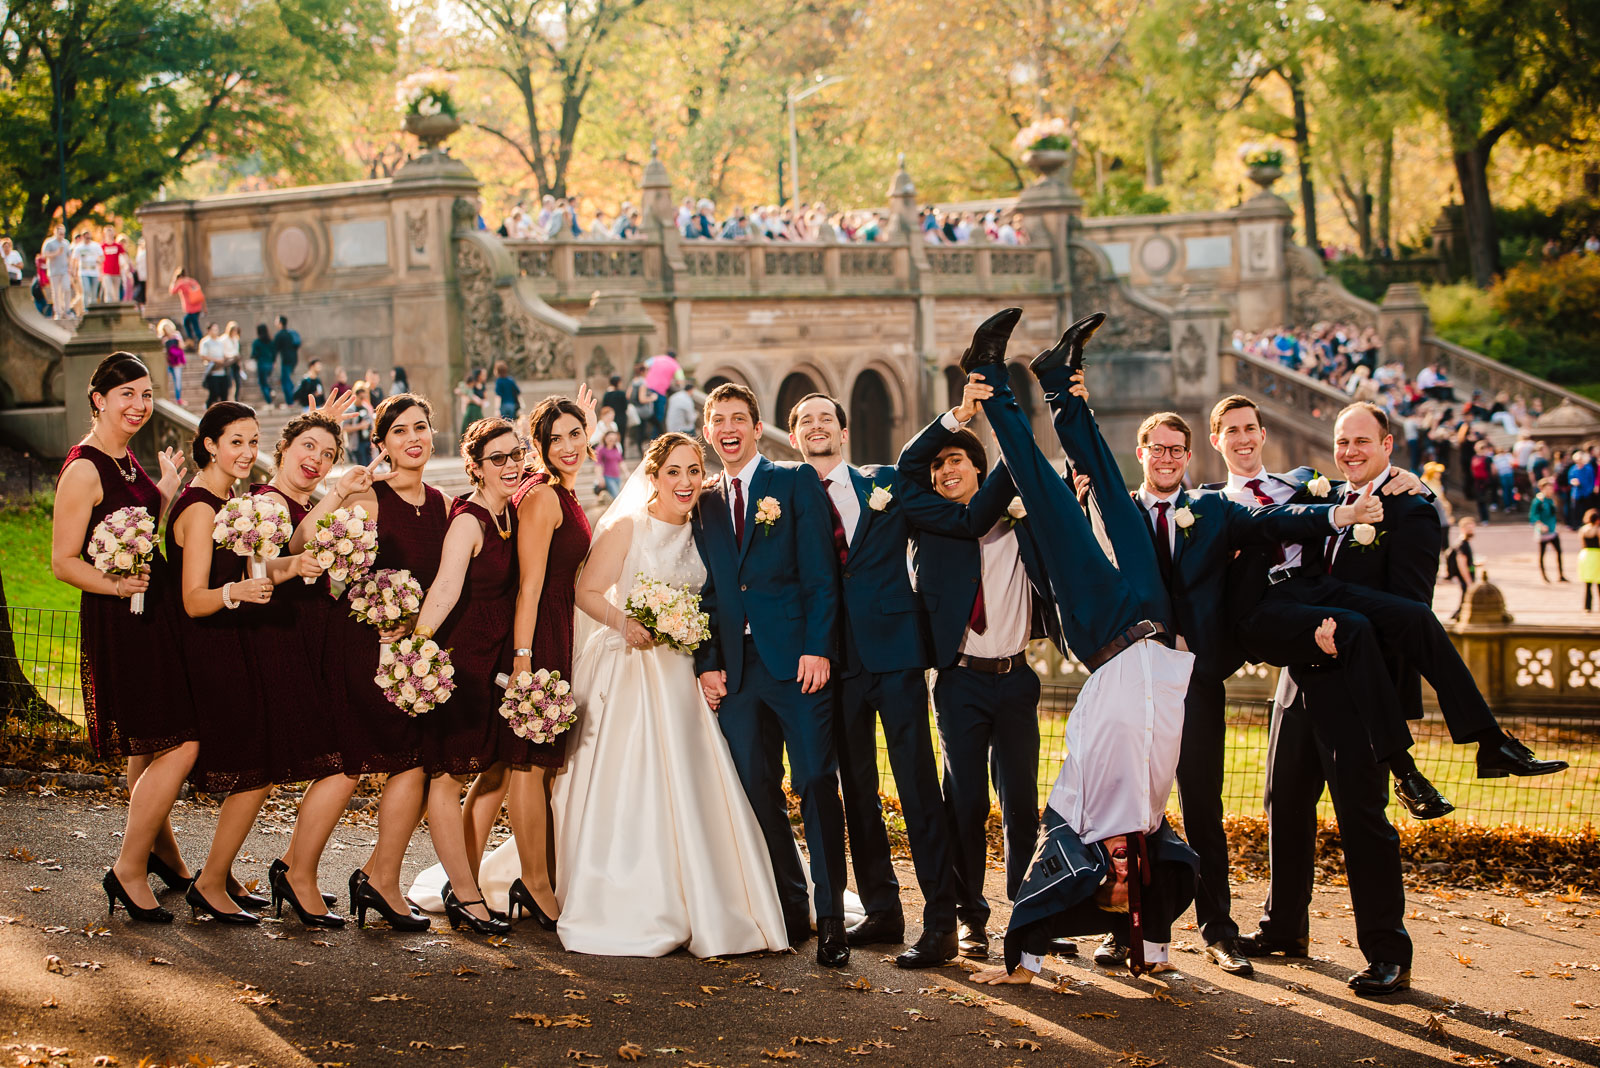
x,y
41,700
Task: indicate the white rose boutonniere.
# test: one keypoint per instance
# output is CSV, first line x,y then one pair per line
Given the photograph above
x,y
1319,486
1184,518
1016,512
767,513
1365,535
880,498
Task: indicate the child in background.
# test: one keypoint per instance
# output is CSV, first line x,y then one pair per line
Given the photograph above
x,y
172,341
609,458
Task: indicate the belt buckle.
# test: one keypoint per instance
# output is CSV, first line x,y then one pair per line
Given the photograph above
x,y
1282,574
1006,661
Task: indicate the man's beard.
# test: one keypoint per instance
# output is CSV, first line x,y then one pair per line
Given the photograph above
x,y
818,450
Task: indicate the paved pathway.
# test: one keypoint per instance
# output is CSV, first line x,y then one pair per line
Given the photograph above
x,y
1501,978
1507,550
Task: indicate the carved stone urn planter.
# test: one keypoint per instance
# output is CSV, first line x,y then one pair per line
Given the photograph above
x,y
431,130
1045,162
1264,174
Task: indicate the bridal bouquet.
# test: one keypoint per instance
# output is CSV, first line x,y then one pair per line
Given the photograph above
x,y
390,598
346,544
538,704
415,674
123,543
669,612
256,527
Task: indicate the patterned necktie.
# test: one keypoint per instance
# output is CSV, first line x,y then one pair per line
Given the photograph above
x,y
1264,498
738,511
1338,539
840,545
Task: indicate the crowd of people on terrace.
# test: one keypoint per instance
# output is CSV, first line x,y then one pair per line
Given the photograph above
x,y
700,220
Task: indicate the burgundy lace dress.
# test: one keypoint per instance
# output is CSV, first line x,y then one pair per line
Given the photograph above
x,y
375,736
135,686
466,734
289,645
552,633
232,706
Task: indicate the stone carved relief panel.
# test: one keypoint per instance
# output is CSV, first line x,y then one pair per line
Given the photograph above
x,y
417,237
1128,326
866,263
1262,247
716,264
1191,355
806,263
1397,343
492,330
1002,261
1314,298
608,263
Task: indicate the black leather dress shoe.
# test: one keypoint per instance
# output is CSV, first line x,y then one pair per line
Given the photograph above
x,y
1224,953
932,949
1110,953
1259,944
878,929
1063,947
1511,757
1421,798
833,947
973,941
799,929
1068,352
1379,978
989,341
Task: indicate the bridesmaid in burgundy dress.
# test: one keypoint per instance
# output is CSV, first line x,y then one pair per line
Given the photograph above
x,y
375,736
552,542
291,645
237,720
468,611
135,690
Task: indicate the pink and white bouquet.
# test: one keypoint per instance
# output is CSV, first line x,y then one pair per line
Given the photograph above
x,y
415,674
346,545
256,527
390,598
1053,134
538,704
124,543
669,612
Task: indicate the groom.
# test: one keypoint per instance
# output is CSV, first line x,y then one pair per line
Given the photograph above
x,y
760,527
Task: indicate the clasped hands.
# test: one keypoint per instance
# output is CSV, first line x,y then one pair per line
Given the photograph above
x,y
812,673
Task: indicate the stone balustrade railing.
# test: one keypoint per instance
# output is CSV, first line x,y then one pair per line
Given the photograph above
x,y
1468,370
1275,386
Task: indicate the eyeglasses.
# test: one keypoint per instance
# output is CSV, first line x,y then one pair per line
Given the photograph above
x,y
1177,452
498,459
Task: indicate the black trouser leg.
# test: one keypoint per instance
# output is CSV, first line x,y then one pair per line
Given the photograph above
x,y
1294,786
857,738
1200,772
903,709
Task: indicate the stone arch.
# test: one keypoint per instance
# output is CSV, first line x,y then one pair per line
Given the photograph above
x,y
873,420
801,379
954,383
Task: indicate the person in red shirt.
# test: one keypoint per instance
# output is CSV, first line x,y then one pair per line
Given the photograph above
x,y
114,253
193,299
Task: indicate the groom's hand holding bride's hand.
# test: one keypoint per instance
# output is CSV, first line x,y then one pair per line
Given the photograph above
x,y
813,673
714,684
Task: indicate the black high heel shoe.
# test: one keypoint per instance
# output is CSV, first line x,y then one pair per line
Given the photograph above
x,y
278,867
116,893
245,899
282,891
522,900
201,907
167,874
456,911
364,896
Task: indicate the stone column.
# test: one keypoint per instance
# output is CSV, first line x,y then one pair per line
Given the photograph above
x,y
658,220
1198,319
1050,208
1263,222
924,341
1402,322
612,337
107,328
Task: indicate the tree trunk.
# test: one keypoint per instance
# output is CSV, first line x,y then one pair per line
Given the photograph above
x,y
1152,155
1302,140
18,697
1364,219
1385,191
1483,236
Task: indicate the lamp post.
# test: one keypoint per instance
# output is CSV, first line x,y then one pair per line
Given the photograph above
x,y
794,137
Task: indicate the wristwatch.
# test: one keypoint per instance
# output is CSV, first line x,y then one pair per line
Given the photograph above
x,y
522,652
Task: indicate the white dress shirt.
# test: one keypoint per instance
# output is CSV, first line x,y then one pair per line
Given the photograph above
x,y
743,477
1148,501
1337,539
1007,597
842,492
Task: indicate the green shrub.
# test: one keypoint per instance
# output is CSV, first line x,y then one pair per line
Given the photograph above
x,y
1125,194
1542,318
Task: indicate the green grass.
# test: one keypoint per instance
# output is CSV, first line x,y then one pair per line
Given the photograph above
x,y
45,640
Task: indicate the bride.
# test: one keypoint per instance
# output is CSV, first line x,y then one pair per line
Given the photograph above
x,y
657,846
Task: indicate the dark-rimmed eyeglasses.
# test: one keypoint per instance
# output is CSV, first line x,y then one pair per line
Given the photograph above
x,y
498,459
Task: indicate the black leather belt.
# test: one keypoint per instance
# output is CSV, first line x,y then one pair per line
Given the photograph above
x,y
999,665
1136,633
1284,574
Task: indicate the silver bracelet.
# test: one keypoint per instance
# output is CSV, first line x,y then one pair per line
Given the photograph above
x,y
228,602
522,652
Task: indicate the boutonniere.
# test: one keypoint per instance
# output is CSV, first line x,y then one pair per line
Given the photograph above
x,y
1319,486
880,498
1016,512
1184,518
767,513
1366,536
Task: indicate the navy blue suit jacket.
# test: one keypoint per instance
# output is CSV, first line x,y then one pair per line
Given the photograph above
x,y
944,546
887,629
784,581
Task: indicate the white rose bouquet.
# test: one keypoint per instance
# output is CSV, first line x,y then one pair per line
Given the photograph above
x,y
538,704
415,674
124,543
669,612
390,598
256,527
346,544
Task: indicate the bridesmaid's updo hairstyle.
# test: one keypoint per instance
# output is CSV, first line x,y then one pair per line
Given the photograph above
x,y
115,370
393,407
302,423
219,417
542,427
661,448
475,442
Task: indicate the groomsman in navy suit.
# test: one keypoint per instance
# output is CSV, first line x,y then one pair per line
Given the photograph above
x,y
1196,537
884,652
986,594
772,592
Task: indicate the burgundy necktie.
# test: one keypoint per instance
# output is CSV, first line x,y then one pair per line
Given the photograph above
x,y
1264,498
1349,498
840,545
738,511
1164,541
978,622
